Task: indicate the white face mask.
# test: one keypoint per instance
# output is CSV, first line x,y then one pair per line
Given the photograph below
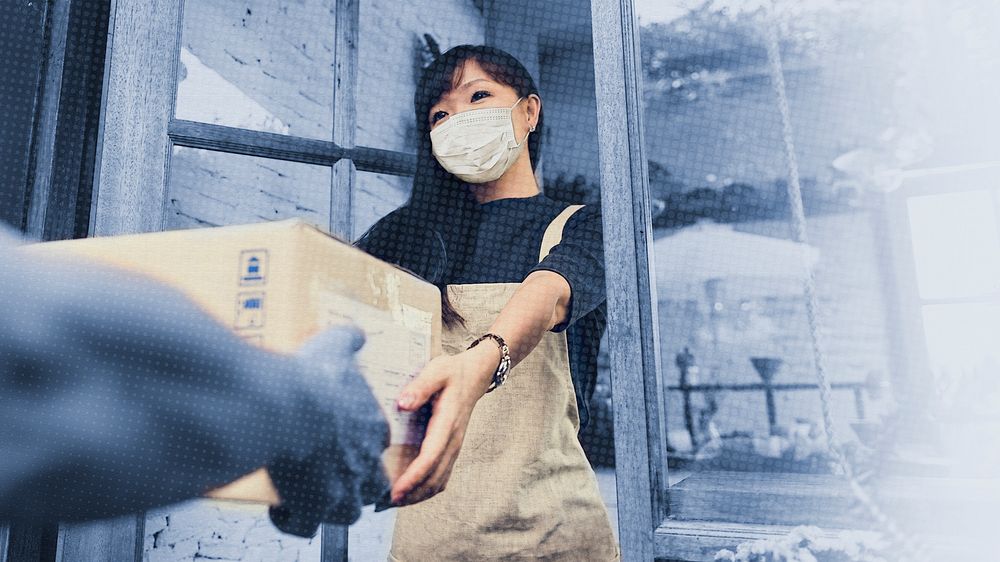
x,y
478,145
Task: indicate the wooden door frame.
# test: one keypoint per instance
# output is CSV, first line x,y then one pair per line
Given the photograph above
x,y
633,332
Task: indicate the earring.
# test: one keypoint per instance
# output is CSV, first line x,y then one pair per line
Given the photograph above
x,y
531,129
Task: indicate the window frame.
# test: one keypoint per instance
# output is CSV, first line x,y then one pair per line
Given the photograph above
x,y
59,174
116,182
910,343
633,332
648,529
140,88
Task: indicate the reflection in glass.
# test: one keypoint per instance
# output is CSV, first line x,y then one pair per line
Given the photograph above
x,y
963,339
207,530
209,188
956,244
750,108
730,277
376,195
389,63
263,66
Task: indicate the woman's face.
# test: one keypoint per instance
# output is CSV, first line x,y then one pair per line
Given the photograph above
x,y
476,90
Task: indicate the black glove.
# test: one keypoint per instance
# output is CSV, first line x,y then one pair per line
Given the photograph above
x,y
343,471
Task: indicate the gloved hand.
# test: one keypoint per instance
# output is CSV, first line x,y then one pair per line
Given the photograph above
x,y
330,483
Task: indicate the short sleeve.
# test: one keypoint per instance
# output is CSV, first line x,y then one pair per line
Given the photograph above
x,y
579,258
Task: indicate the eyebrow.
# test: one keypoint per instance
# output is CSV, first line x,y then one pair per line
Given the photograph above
x,y
471,82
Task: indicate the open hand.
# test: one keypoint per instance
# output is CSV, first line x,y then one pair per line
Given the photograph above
x,y
454,383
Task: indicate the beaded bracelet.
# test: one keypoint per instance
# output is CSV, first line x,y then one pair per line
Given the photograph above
x,y
500,376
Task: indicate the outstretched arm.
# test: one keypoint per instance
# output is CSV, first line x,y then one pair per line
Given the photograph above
x,y
539,304
117,394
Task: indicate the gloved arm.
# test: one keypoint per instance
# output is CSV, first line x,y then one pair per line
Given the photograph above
x,y
331,483
117,395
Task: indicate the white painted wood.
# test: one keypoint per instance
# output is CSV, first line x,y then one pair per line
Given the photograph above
x,y
111,540
130,171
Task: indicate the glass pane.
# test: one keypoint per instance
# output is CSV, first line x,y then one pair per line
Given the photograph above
x,y
963,341
209,188
749,108
207,530
742,357
956,244
730,277
376,195
215,188
396,39
266,66
371,537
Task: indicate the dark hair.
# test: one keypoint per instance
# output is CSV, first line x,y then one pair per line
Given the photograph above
x,y
432,234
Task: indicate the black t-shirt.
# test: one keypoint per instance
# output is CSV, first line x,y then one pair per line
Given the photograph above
x,y
506,251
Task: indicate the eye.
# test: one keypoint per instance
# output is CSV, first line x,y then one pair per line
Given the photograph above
x,y
484,92
438,116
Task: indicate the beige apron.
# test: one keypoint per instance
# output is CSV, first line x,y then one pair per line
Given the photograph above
x,y
521,487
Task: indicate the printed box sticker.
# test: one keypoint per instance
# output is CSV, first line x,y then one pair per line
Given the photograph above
x,y
253,267
249,310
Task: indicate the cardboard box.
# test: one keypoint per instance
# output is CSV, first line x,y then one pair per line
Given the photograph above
x,y
276,284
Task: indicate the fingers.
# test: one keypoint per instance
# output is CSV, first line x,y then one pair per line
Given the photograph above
x,y
435,442
436,482
421,389
444,436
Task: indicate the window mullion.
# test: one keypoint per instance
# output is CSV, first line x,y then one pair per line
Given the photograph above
x,y
248,142
345,80
384,161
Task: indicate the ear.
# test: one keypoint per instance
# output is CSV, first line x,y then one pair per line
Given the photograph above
x,y
533,107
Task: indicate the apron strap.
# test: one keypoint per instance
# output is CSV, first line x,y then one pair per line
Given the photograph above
x,y
554,232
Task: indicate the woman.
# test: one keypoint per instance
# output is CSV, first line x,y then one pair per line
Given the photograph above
x,y
516,271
